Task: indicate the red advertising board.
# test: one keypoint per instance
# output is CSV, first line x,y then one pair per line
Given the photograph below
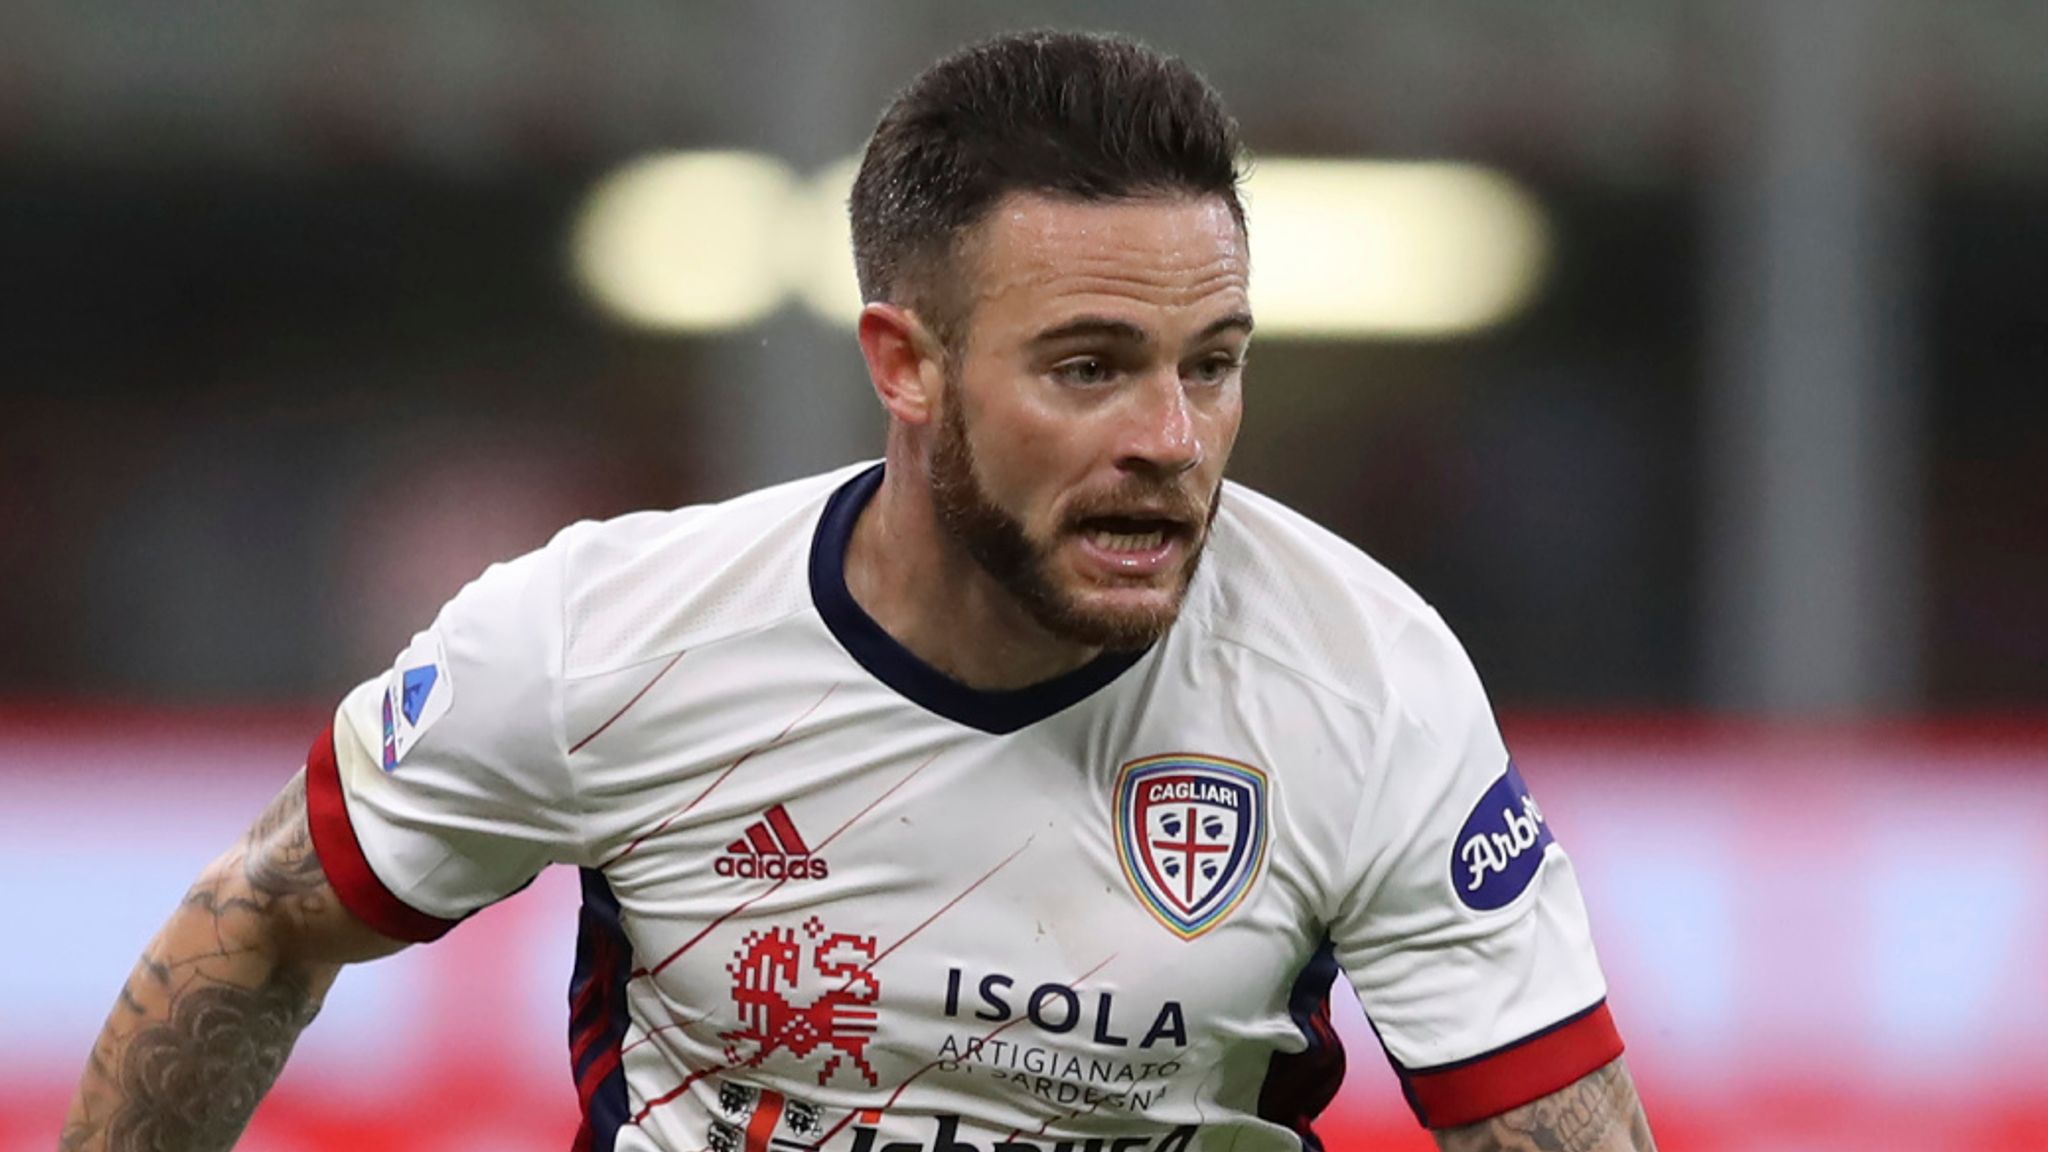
x,y
1824,939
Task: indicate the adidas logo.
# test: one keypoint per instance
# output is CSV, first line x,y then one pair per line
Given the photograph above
x,y
772,849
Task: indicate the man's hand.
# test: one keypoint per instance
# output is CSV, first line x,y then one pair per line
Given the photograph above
x,y
205,1022
1597,1113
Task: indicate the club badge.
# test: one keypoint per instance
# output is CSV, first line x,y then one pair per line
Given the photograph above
x,y
1191,835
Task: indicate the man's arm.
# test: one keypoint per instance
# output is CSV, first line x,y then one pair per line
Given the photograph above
x,y
1597,1113
205,1022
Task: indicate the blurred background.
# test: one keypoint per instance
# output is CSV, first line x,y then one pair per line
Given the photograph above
x,y
1689,355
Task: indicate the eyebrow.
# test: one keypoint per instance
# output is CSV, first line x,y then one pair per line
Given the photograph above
x,y
1125,332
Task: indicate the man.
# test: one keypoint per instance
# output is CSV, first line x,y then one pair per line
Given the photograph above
x,y
948,804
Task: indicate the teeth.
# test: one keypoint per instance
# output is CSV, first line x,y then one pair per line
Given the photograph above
x,y
1127,541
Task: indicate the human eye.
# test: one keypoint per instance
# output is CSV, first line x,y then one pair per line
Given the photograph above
x,y
1217,367
1083,371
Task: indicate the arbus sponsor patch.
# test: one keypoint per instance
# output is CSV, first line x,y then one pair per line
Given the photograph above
x,y
1501,845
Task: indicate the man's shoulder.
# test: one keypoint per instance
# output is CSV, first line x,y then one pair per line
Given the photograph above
x,y
1303,597
648,584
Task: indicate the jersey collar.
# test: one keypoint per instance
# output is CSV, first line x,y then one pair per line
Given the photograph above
x,y
912,678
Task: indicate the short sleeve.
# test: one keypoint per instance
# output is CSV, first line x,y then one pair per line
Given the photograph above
x,y
442,785
1465,935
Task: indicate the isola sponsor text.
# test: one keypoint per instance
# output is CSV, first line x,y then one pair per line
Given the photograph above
x,y
1057,1008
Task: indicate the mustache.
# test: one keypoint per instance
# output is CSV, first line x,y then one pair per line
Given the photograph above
x,y
1141,499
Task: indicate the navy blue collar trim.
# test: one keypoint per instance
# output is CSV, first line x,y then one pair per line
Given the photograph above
x,y
912,678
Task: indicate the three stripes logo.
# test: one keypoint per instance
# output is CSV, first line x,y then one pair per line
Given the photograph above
x,y
772,849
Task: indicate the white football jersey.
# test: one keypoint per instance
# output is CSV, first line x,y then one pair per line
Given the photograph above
x,y
834,899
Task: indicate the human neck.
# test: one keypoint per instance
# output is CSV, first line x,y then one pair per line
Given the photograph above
x,y
918,584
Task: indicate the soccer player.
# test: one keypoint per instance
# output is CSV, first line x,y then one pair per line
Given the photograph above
x,y
1024,791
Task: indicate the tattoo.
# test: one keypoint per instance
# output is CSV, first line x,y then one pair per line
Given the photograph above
x,y
204,1024
281,862
1597,1113
194,1080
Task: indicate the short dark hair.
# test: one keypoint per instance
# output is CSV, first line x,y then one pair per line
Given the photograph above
x,y
1090,117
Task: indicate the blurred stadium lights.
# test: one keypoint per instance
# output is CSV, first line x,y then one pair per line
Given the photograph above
x,y
827,280
1343,249
1358,248
686,241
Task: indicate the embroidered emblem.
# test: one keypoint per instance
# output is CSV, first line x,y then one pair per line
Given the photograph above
x,y
1191,835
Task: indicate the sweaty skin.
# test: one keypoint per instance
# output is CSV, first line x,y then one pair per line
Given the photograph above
x,y
1101,375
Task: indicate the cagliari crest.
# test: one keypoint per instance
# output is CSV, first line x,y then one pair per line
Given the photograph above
x,y
1191,835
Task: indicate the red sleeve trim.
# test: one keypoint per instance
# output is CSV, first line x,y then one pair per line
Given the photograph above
x,y
341,855
1472,1090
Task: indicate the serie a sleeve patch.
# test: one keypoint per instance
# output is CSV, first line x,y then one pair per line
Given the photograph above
x,y
418,692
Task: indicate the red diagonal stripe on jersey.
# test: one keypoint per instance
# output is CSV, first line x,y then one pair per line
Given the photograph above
x,y
578,746
1046,1124
922,925
581,1045
948,905
671,1026
593,1077
750,901
648,1108
585,1039
709,788
591,1028
886,793
785,831
766,1115
764,844
1049,1121
679,1089
594,1028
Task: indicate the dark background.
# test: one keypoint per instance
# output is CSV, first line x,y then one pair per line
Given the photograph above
x,y
289,346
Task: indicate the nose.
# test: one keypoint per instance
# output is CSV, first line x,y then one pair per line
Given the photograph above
x,y
1160,429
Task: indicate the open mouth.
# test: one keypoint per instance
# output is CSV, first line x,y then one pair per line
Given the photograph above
x,y
1130,533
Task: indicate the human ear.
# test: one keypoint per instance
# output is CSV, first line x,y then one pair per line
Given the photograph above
x,y
906,363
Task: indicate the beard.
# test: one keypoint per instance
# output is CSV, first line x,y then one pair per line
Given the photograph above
x,y
1024,566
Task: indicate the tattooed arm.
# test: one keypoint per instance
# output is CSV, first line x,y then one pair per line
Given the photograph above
x,y
213,1007
1597,1113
